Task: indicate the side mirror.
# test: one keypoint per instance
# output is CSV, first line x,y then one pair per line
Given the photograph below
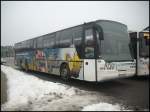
x,y
100,31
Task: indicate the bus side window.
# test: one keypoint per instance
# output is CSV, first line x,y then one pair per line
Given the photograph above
x,y
40,42
146,40
66,38
34,43
89,44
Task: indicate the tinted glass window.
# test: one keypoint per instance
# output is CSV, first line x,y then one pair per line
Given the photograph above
x,y
89,41
57,39
89,44
34,43
29,44
66,38
115,46
24,45
77,35
39,42
144,46
49,40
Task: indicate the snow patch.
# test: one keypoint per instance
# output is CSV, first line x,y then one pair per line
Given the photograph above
x,y
27,92
24,89
102,107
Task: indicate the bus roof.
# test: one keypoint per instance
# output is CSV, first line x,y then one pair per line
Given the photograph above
x,y
146,29
70,28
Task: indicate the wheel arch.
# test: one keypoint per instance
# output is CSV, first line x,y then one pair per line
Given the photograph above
x,y
62,64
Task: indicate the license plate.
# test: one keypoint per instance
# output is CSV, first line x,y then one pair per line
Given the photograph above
x,y
121,75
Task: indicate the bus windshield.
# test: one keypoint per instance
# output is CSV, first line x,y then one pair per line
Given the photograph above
x,y
115,46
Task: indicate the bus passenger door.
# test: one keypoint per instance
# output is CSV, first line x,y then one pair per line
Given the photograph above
x,y
89,70
89,55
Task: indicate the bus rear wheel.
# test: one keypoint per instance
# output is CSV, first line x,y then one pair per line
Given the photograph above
x,y
64,72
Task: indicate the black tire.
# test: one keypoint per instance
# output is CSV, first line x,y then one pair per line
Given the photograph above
x,y
65,72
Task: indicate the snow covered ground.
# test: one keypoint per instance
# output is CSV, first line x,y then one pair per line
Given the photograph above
x,y
27,92
102,107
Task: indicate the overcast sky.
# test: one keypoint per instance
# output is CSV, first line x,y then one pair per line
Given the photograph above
x,y
24,20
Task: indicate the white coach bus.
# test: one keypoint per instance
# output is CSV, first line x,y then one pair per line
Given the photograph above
x,y
140,51
94,51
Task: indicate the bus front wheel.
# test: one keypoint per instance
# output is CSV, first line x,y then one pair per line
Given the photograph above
x,y
64,72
